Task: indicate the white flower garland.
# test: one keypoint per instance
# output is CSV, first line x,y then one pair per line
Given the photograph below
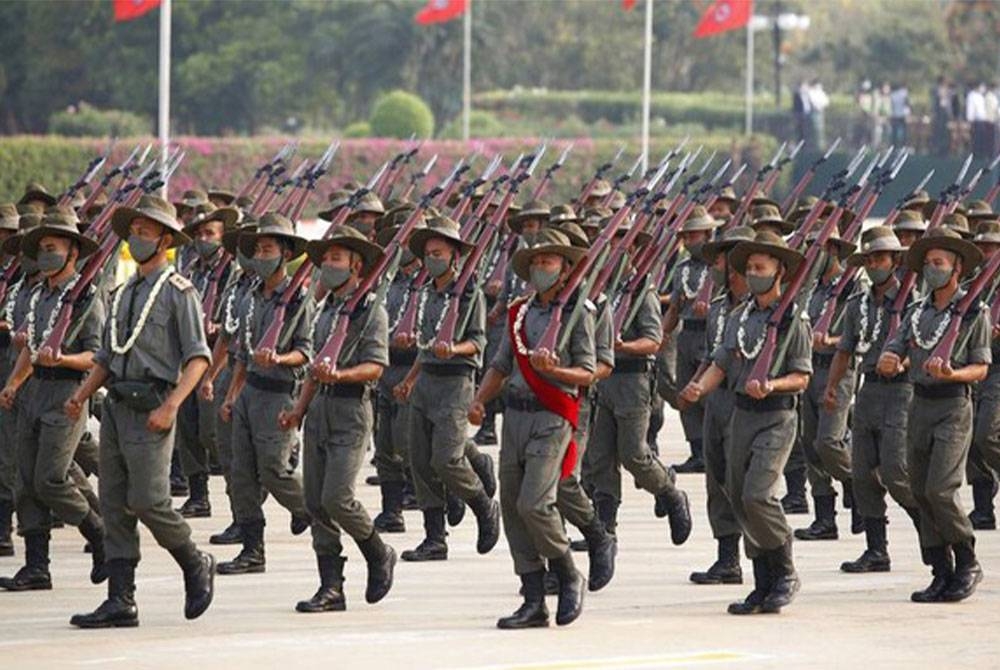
x,y
403,304
686,275
865,341
720,327
36,294
518,324
147,308
232,320
741,335
927,345
247,325
8,307
421,304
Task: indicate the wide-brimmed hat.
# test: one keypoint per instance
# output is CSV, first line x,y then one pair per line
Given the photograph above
x,y
35,191
229,216
230,238
700,220
190,199
276,225
535,209
30,208
337,199
602,189
728,195
96,207
225,197
930,206
978,210
369,204
617,200
949,240
957,222
548,241
12,245
561,213
804,205
765,242
910,220
987,232
875,240
577,236
770,215
153,208
349,238
916,201
9,217
730,238
385,234
844,248
61,222
441,227
760,199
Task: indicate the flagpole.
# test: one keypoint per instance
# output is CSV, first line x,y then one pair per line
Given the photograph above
x,y
749,82
466,70
647,68
163,125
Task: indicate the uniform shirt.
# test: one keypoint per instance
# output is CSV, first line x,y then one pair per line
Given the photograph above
x,y
696,272
715,326
172,335
604,338
88,338
263,309
972,346
818,298
201,273
646,324
798,357
231,302
367,332
579,352
435,302
864,336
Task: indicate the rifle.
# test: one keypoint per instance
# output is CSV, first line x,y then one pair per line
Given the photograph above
x,y
396,165
753,188
88,175
547,177
894,214
263,173
418,176
306,185
772,177
806,178
451,183
273,188
839,181
469,191
945,347
602,170
994,191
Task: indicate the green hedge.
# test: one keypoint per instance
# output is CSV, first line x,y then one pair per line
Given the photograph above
x,y
400,114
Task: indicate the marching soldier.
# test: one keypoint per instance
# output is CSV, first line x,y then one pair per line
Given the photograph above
x,y
763,423
153,352
940,418
9,225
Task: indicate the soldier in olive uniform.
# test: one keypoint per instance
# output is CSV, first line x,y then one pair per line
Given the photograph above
x,y
9,218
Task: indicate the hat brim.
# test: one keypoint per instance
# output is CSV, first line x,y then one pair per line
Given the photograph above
x,y
515,223
521,261
574,238
12,245
700,224
230,238
229,216
370,253
31,195
790,258
784,226
970,254
247,242
224,197
711,250
858,258
29,245
124,216
844,248
987,238
418,239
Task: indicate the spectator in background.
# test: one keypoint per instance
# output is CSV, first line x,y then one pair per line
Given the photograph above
x,y
869,128
818,102
993,116
899,114
801,109
979,123
941,116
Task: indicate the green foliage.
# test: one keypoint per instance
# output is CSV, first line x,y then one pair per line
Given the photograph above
x,y
358,129
88,121
481,124
400,114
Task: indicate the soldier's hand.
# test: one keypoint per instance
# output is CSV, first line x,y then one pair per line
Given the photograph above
x,y
939,368
889,364
444,350
226,411
700,309
265,358
161,419
830,400
476,412
690,394
996,331
289,419
20,339
404,341
757,390
492,288
325,373
821,341
73,408
5,325
207,391
211,329
7,397
47,359
543,360
402,390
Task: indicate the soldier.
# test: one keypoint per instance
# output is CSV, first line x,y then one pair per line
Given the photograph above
x,y
767,218
537,448
36,195
335,200
719,407
439,388
824,432
724,205
878,428
940,418
265,381
763,423
909,227
153,352
45,440
598,194
9,225
340,420
685,311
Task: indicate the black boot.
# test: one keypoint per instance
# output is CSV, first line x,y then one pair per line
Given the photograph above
x,y
857,521
825,525
761,587
876,556
532,613
330,596
673,503
572,586
694,463
92,529
34,576
914,514
299,524
381,559
455,507
482,465
251,556
433,546
178,482
231,535
199,578
607,511
119,610
602,549
373,480
197,506
795,501
487,513
726,570
968,572
942,569
390,519
487,434
982,515
785,581
410,503
6,525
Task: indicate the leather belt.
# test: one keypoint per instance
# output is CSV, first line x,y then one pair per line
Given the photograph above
x,y
262,383
941,391
435,370
57,374
772,403
632,366
357,391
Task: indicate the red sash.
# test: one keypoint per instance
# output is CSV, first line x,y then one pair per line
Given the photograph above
x,y
552,398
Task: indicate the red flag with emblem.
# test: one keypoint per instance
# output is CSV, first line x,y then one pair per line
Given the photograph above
x,y
126,10
439,11
724,15
628,5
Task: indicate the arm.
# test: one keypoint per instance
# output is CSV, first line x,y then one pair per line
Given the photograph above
x,y
708,382
19,375
838,368
163,417
489,389
95,380
291,419
643,346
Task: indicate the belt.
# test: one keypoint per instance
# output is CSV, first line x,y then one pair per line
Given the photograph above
x,y
4,339
822,360
941,391
769,404
402,356
344,390
436,370
694,325
875,378
632,366
262,383
57,374
523,404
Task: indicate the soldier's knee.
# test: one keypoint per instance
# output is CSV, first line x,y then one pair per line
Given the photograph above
x,y
47,485
755,501
443,463
531,511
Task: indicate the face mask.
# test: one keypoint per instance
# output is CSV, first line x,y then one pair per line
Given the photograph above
x,y
406,258
245,263
142,249
206,248
879,276
760,284
437,266
363,228
936,278
265,267
695,249
332,277
50,262
529,238
543,280
29,265
718,276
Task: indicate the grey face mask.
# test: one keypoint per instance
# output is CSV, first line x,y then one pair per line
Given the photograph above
x,y
29,265
936,278
695,249
206,248
543,280
529,238
50,262
761,284
406,258
436,266
718,276
878,276
245,263
142,249
265,267
333,278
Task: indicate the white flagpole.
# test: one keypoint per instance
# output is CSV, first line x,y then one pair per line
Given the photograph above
x,y
466,70
749,82
163,125
646,83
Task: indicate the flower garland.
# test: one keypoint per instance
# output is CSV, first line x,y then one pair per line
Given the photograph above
x,y
403,303
8,307
421,304
685,277
36,293
927,345
147,308
865,341
232,320
741,335
518,325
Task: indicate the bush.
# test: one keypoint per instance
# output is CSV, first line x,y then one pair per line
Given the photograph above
x,y
358,129
481,124
400,115
88,121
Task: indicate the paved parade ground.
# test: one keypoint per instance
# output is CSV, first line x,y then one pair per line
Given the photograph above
x,y
442,615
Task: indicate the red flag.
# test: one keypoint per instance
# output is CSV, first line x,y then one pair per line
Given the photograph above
x,y
439,11
724,15
126,10
628,5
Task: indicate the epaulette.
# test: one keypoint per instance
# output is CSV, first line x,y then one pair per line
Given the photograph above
x,y
180,282
719,298
591,307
